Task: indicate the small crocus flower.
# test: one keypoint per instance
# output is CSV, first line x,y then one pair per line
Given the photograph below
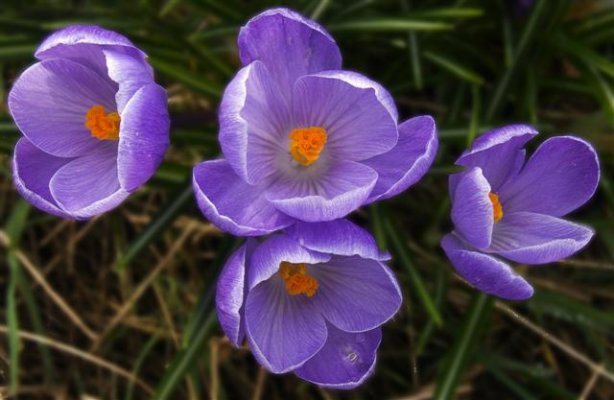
x,y
94,122
506,208
302,139
311,301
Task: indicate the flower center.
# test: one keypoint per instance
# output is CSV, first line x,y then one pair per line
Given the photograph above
x,y
297,280
497,208
306,144
102,125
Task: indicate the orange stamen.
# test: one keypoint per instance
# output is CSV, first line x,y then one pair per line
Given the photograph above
x,y
497,208
306,144
103,126
297,280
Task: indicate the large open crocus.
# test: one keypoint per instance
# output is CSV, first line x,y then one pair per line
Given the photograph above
x,y
507,208
302,139
94,122
311,301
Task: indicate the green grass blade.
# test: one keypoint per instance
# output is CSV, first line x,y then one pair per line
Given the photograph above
x,y
390,24
462,351
456,69
415,278
191,80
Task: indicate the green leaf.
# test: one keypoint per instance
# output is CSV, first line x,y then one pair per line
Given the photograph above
x,y
383,25
461,71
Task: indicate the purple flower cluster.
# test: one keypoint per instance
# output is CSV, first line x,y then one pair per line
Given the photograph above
x,y
304,143
95,124
504,206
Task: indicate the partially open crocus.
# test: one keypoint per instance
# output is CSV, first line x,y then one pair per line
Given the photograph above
x,y
507,208
302,139
311,301
94,122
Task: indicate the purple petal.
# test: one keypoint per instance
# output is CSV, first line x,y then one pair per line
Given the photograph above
x,y
49,102
532,238
130,73
337,192
254,123
345,361
143,136
84,44
267,258
356,294
408,161
283,331
231,291
499,153
358,114
562,174
88,185
472,210
485,272
340,237
289,45
32,171
233,205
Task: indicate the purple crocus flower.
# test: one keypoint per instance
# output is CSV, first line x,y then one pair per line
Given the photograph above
x,y
95,124
506,208
302,139
310,300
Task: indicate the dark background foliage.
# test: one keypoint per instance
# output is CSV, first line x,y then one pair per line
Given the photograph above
x,y
120,307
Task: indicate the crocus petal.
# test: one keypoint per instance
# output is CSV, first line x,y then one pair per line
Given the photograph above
x,y
254,123
233,205
88,185
129,73
84,44
532,238
340,237
472,210
342,189
358,114
499,153
49,102
356,294
143,136
283,331
485,272
345,361
230,293
289,45
562,174
267,258
408,161
32,171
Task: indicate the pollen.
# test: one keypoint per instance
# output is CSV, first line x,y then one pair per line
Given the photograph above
x,y
306,144
102,125
297,280
497,208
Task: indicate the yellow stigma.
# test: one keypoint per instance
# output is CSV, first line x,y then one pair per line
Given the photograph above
x,y
297,280
497,208
102,125
306,144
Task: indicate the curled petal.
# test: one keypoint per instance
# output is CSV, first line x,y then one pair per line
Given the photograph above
x,y
340,237
485,272
289,45
233,205
283,331
499,153
532,238
356,294
130,73
81,34
345,361
408,161
50,100
562,174
143,136
358,114
32,171
472,210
